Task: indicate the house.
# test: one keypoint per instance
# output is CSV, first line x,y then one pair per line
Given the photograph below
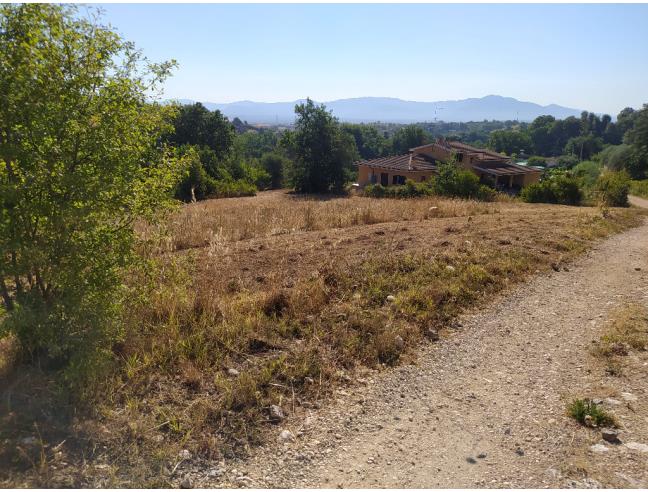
x,y
421,162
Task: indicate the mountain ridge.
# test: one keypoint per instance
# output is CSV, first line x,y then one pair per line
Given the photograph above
x,y
395,110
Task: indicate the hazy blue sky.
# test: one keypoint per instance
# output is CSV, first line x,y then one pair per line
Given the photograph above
x,y
585,56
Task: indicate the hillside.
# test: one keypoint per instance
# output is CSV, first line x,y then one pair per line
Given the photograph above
x,y
369,109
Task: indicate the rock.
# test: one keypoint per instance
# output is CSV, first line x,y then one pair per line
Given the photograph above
x,y
610,435
186,484
628,397
481,456
276,413
599,448
519,452
611,401
471,460
638,269
399,342
286,436
232,372
432,334
185,454
637,446
215,472
391,298
450,268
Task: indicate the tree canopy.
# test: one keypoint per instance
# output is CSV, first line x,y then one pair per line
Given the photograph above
x,y
80,160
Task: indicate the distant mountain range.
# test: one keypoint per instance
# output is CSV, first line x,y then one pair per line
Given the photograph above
x,y
387,109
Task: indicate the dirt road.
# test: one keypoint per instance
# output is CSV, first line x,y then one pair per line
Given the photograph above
x,y
638,201
485,406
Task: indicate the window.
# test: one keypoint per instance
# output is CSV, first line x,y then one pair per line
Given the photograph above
x,y
398,180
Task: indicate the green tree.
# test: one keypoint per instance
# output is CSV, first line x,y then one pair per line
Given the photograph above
x,y
274,164
369,142
408,137
637,137
80,162
509,141
324,154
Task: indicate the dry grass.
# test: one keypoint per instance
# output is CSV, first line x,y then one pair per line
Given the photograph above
x,y
278,212
627,330
360,283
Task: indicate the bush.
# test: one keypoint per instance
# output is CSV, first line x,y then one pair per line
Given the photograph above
x,y
612,188
561,189
587,412
568,161
455,182
410,189
537,161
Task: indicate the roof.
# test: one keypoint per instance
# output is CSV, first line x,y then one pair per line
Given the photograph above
x,y
506,169
403,162
449,145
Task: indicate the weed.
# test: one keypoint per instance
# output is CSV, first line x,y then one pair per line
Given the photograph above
x,y
588,413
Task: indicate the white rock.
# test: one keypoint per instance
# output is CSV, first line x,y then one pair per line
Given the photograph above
x,y
391,298
637,446
628,397
599,448
185,454
450,268
286,436
612,401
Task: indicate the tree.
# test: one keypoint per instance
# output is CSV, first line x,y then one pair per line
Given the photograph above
x,y
584,147
196,125
274,164
80,162
323,153
541,135
509,141
408,137
368,141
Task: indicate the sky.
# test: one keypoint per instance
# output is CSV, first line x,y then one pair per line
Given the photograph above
x,y
585,56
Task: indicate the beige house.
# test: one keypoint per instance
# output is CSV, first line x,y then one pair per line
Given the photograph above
x,y
421,163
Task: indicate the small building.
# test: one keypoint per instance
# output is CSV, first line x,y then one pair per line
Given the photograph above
x,y
394,170
421,163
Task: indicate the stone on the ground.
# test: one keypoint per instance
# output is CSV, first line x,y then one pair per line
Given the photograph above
x,y
232,372
450,268
599,448
610,435
186,484
185,454
276,413
637,446
391,298
628,396
286,436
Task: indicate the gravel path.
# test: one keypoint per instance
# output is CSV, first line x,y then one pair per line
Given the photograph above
x,y
485,406
638,201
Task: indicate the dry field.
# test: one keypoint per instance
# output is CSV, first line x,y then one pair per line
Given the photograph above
x,y
274,300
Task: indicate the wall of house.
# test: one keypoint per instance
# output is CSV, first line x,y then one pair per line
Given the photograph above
x,y
365,173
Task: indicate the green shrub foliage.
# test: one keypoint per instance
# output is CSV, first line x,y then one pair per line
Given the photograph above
x,y
70,193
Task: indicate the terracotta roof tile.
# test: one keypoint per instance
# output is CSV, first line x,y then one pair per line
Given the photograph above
x,y
403,162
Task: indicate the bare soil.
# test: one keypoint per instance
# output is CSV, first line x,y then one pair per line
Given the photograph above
x,y
484,407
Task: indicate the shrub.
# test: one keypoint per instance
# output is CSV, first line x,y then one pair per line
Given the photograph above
x,y
537,161
410,189
455,182
612,189
568,161
560,189
586,412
